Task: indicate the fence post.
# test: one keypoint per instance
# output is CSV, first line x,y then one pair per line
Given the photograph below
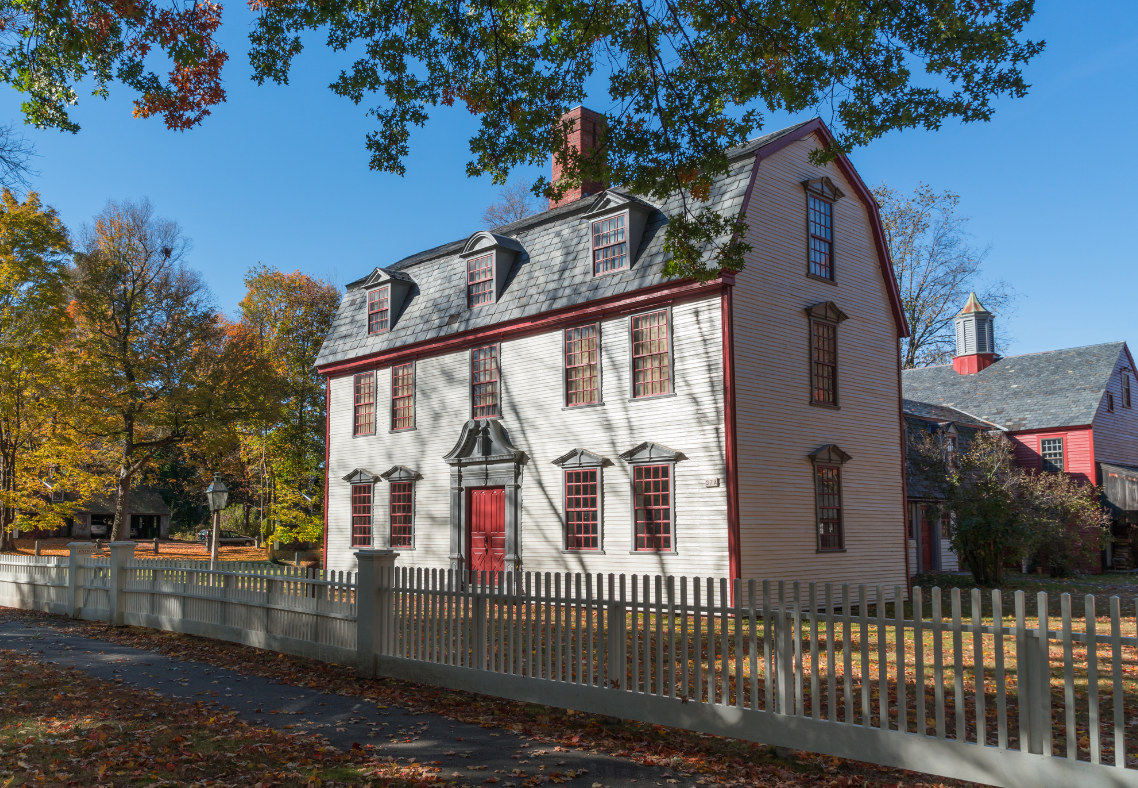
x,y
121,552
373,606
77,550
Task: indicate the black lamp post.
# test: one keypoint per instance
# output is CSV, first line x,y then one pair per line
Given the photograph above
x,y
217,494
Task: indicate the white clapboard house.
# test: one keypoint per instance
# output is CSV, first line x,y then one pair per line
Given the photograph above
x,y
541,397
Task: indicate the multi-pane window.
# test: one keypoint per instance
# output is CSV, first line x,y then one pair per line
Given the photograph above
x,y
581,511
364,409
484,382
652,502
821,221
403,396
379,310
610,245
581,366
828,480
651,365
480,280
1125,390
402,513
1051,454
361,515
824,362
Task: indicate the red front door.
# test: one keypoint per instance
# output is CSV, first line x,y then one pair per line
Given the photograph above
x,y
926,541
487,509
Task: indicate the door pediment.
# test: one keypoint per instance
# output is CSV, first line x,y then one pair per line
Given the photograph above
x,y
483,441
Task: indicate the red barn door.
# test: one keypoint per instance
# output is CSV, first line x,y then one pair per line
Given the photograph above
x,y
488,530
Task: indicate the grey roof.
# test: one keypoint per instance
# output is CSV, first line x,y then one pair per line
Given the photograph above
x,y
943,413
1059,388
142,501
553,271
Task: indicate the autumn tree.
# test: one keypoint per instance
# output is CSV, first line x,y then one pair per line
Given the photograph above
x,y
936,266
34,251
685,80
291,314
515,202
162,366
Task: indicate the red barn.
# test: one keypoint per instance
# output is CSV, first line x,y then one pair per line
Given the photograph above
x,y
1065,410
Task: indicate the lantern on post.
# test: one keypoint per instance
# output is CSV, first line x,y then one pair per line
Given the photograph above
x,y
217,495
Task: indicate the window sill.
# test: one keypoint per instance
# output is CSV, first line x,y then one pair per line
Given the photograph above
x,y
363,435
652,397
823,405
402,429
402,549
583,407
653,552
582,552
610,273
820,550
817,278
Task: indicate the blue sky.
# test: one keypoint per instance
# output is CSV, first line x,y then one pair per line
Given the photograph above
x,y
279,175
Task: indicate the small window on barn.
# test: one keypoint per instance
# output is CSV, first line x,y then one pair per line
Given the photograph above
x,y
821,214
610,244
361,515
582,366
651,355
582,510
480,280
379,310
1109,402
484,382
363,411
403,396
402,514
1126,389
57,494
1051,455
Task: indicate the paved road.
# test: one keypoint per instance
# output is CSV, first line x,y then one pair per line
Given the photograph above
x,y
343,720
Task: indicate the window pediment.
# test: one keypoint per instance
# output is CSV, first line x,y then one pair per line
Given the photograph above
x,y
651,452
829,454
826,310
361,476
400,473
581,458
823,187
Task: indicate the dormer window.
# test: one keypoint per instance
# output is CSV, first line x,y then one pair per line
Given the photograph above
x,y
610,244
480,280
379,310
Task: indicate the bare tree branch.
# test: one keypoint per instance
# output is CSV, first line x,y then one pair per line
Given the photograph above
x,y
516,201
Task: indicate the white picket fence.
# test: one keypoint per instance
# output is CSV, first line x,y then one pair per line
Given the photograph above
x,y
988,695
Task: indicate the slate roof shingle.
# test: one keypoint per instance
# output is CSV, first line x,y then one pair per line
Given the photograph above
x,y
1057,388
942,413
553,272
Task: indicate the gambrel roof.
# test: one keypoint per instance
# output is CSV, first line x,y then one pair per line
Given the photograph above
x,y
553,272
1058,388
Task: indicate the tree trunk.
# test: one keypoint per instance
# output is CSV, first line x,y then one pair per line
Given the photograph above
x,y
121,530
7,543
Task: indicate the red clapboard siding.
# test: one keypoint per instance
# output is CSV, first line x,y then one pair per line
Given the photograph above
x,y
1076,450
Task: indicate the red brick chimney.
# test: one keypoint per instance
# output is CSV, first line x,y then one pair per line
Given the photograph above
x,y
587,126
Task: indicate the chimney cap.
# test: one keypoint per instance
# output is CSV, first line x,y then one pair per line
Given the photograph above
x,y
973,306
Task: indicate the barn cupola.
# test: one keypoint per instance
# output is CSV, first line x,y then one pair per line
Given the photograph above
x,y
975,342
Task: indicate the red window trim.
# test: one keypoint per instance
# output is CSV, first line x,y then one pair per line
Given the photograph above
x,y
401,489
1062,436
596,376
818,507
1125,389
410,397
572,538
814,368
638,472
362,496
379,310
811,235
593,248
358,405
667,352
484,274
495,381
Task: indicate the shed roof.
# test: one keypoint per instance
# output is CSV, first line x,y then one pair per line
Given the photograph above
x,y
942,413
142,501
551,273
1057,388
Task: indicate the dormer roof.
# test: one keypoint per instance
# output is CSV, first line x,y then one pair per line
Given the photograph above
x,y
483,241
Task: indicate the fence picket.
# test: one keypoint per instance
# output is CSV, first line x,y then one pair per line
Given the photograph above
x,y
768,637
711,644
1117,700
938,664
1068,677
1092,679
1001,688
882,662
812,612
754,644
919,661
724,645
960,733
865,675
978,669
1045,670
